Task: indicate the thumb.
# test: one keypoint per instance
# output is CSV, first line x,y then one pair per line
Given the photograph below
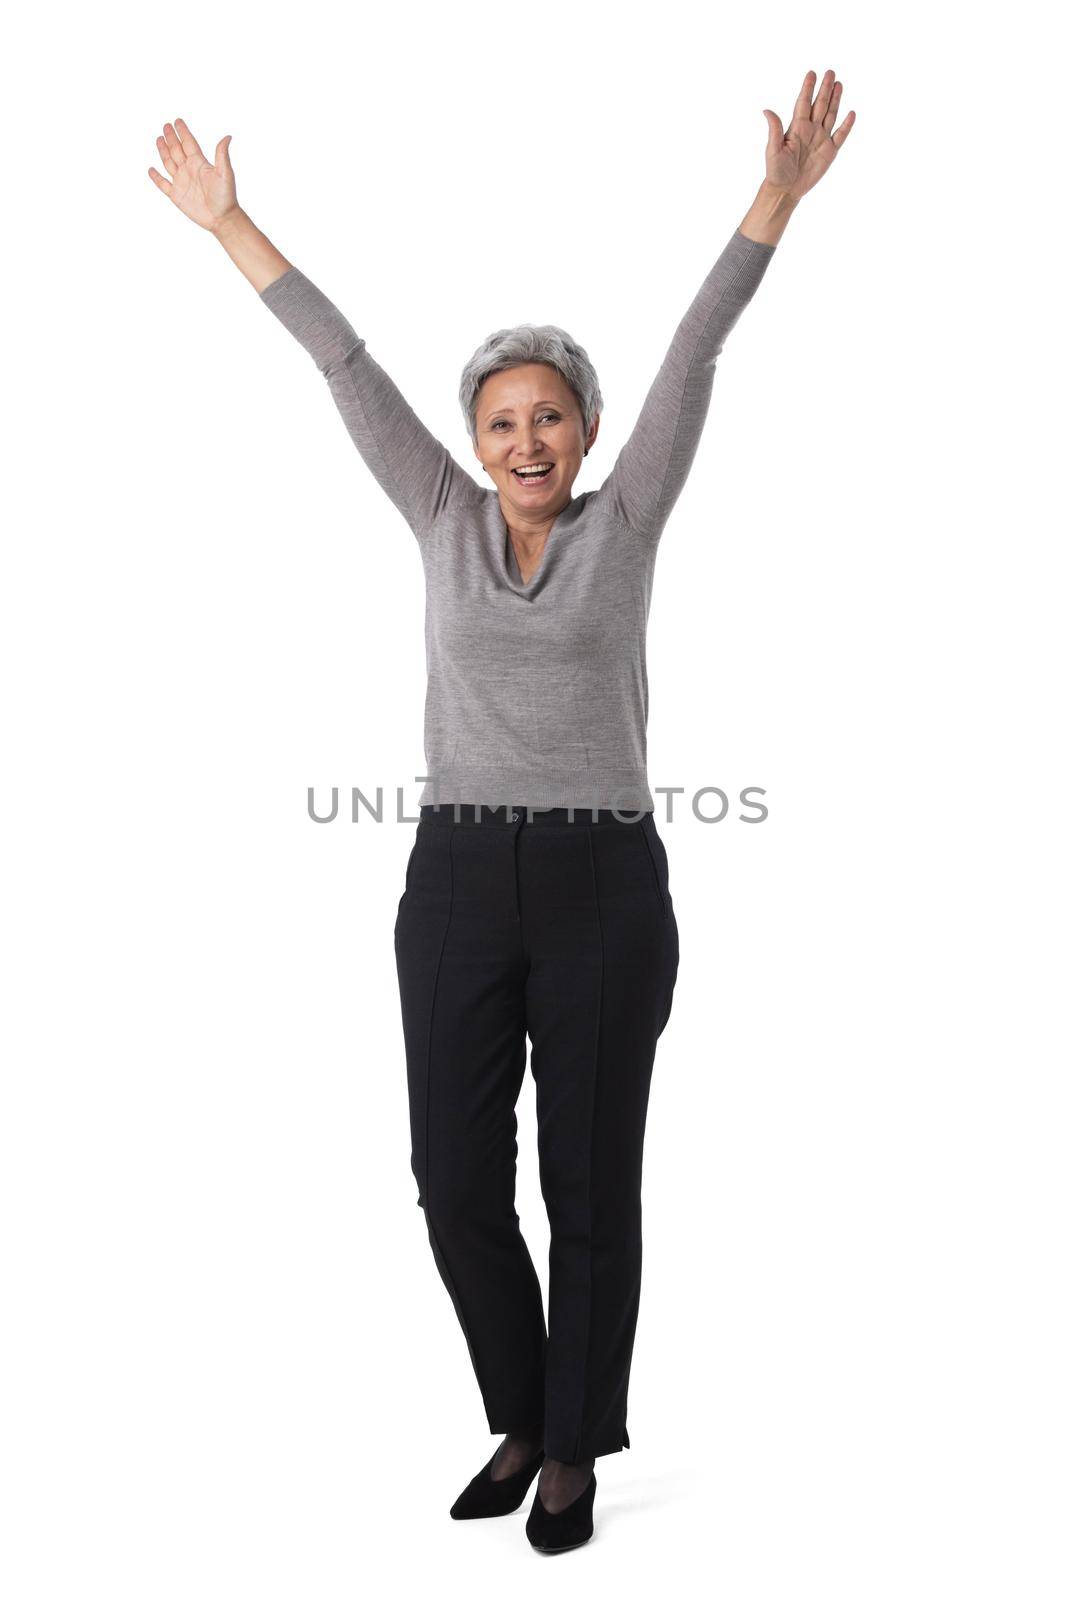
x,y
222,154
775,131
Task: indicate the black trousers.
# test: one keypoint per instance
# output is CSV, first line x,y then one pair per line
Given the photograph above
x,y
529,922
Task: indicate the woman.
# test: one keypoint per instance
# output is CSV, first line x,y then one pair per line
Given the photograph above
x,y
533,903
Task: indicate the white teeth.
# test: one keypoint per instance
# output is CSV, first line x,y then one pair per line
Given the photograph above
x,y
533,472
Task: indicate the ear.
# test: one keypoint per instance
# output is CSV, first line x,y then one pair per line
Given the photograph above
x,y
594,429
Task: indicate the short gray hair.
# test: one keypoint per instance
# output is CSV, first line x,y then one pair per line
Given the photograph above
x,y
514,347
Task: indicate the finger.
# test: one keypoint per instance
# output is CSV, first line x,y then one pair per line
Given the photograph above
x,y
775,132
174,144
222,155
802,109
822,99
189,144
166,157
160,181
834,107
843,131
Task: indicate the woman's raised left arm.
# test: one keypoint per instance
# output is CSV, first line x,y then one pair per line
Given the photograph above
x,y
653,465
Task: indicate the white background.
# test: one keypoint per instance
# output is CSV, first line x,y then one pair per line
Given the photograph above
x,y
229,1366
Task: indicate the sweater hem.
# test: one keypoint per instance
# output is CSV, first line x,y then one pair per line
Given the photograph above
x,y
625,790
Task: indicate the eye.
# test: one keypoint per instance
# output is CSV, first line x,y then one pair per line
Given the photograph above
x,y
502,422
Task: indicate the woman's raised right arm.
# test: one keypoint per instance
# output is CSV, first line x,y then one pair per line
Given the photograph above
x,y
416,471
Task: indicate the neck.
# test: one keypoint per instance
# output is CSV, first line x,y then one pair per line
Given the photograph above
x,y
532,526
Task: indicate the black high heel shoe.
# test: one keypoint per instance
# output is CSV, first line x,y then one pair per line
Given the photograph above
x,y
486,1496
553,1531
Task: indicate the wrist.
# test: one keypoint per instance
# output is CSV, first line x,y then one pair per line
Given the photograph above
x,y
775,202
768,214
233,221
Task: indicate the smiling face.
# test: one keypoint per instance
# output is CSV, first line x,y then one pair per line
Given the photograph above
x,y
528,416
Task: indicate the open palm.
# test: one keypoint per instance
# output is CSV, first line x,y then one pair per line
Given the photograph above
x,y
798,157
202,191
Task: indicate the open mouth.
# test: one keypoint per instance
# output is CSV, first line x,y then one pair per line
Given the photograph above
x,y
533,479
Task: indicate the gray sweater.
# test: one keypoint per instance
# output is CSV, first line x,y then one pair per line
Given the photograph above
x,y
537,694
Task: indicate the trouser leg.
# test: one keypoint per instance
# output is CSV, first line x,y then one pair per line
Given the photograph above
x,y
602,941
461,970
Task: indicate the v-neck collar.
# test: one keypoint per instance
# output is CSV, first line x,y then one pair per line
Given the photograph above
x,y
504,555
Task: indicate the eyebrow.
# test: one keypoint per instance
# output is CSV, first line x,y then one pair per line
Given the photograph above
x,y
506,410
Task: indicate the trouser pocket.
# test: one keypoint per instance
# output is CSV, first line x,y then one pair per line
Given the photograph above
x,y
657,857
407,877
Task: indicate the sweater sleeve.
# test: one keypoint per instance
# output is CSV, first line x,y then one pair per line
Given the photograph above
x,y
653,464
419,474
